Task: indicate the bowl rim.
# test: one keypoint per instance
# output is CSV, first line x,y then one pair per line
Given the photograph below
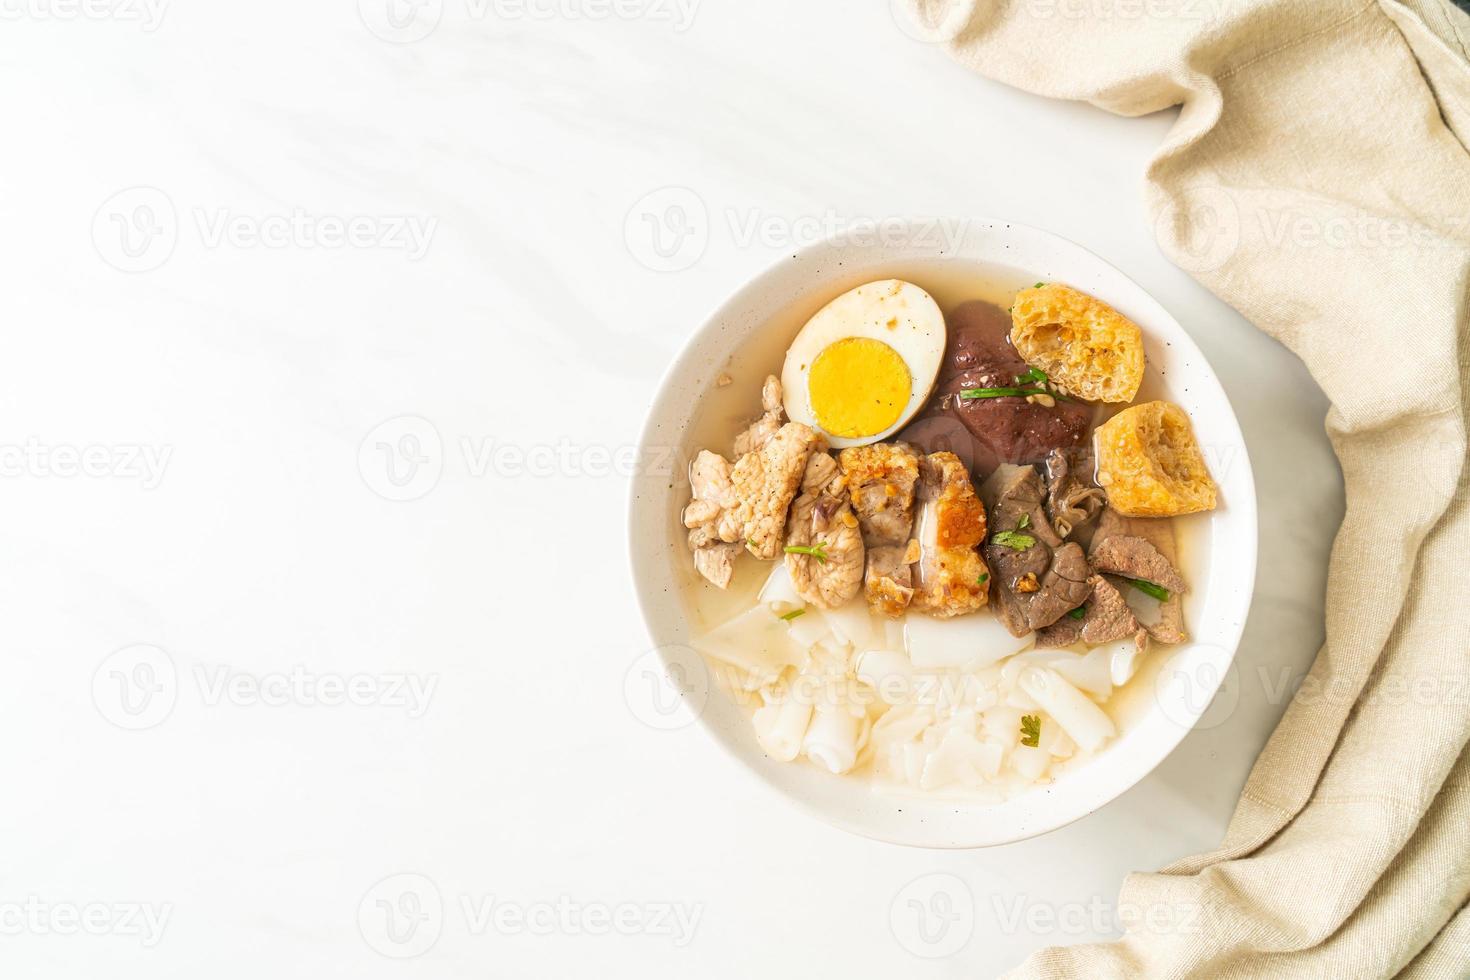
x,y
1229,640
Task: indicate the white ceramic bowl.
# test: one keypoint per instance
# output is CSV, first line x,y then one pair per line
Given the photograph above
x,y
1221,564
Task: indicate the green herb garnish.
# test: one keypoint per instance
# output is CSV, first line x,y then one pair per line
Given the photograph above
x,y
1039,285
1035,374
794,614
1024,522
1014,540
1031,731
1079,613
817,551
1148,588
974,393
983,579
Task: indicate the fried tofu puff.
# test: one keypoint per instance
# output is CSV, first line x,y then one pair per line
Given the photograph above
x,y
1087,349
1150,465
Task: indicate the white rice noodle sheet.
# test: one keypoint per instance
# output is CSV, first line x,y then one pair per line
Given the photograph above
x,y
961,760
887,672
781,726
853,625
1029,763
963,642
810,629
779,594
893,633
1091,672
1124,659
832,739
755,645
1078,716
1002,725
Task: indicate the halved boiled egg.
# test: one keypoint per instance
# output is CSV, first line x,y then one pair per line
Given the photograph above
x,y
866,363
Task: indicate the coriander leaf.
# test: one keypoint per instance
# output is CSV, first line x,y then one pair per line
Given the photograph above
x,y
1031,731
1013,540
1039,285
1079,613
1024,522
983,579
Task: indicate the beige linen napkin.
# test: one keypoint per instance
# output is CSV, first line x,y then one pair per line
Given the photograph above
x,y
1314,180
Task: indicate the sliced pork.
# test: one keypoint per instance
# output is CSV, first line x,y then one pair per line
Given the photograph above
x,y
709,477
888,582
763,484
744,504
881,479
950,576
824,548
765,427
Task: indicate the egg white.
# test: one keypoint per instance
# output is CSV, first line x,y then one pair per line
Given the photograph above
x,y
899,314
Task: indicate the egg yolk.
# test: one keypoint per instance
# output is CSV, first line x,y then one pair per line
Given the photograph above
x,y
858,387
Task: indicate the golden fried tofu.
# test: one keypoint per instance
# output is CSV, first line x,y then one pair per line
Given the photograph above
x,y
1088,349
1150,465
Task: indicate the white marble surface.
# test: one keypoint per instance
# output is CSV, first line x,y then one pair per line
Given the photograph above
x,y
188,472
